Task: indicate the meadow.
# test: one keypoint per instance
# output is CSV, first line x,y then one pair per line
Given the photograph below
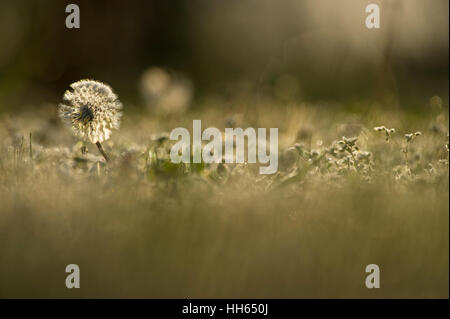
x,y
349,192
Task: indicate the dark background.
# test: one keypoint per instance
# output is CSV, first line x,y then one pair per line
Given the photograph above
x,y
228,48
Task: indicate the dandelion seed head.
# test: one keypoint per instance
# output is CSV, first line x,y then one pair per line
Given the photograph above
x,y
166,92
91,109
436,103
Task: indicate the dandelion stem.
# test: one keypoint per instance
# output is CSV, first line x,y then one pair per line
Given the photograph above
x,y
100,148
31,149
406,154
21,149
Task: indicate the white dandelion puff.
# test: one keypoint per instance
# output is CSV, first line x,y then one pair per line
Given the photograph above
x,y
91,110
166,92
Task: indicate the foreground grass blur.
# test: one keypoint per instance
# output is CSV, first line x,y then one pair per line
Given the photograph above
x,y
142,227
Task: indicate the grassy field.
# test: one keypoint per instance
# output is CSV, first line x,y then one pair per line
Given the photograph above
x,y
141,226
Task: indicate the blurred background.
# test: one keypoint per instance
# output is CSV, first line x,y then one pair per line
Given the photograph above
x,y
289,49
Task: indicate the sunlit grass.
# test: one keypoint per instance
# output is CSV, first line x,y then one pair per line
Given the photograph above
x,y
139,226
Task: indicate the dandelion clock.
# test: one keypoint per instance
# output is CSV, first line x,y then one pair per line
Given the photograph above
x,y
91,110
